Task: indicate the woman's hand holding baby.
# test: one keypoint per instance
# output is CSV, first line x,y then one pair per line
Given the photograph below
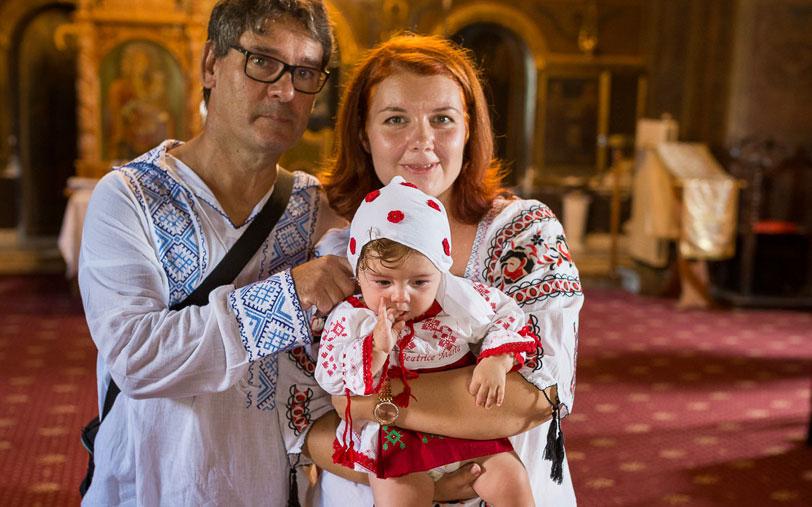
x,y
488,380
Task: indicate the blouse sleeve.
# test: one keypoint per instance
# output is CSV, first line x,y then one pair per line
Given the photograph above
x,y
345,352
508,332
528,259
151,351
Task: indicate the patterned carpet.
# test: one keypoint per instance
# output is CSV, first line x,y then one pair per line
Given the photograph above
x,y
672,408
47,391
694,408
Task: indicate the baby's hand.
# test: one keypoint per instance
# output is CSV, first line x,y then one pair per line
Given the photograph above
x,y
488,381
386,331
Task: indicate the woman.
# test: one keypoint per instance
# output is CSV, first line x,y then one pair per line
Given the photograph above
x,y
415,108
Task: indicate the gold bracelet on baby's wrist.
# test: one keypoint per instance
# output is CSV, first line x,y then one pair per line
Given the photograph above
x,y
385,411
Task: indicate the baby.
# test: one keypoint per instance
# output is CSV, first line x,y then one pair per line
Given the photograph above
x,y
414,315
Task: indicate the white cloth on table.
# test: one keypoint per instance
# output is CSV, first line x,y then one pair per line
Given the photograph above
x,y
519,249
653,223
207,405
70,234
709,201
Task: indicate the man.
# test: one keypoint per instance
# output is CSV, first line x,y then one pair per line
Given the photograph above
x,y
206,391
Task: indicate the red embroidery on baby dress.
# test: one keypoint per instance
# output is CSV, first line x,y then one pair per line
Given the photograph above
x,y
395,216
433,204
372,195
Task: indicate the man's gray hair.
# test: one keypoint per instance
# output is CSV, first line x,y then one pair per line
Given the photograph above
x,y
231,18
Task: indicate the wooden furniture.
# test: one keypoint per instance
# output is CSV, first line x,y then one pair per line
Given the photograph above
x,y
70,234
138,73
773,266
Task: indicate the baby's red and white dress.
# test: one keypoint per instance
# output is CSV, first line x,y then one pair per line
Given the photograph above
x,y
434,341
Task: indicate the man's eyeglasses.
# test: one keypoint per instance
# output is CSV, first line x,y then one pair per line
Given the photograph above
x,y
267,69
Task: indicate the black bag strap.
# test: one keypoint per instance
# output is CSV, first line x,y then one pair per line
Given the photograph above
x,y
234,261
248,244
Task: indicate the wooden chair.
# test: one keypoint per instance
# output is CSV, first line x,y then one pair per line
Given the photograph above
x,y
773,265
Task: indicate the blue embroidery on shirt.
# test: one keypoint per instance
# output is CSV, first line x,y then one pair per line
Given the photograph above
x,y
268,368
293,233
268,314
267,311
176,226
270,309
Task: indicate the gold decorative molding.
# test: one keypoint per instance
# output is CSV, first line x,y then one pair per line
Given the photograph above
x,y
575,59
102,26
588,32
488,12
604,95
129,12
394,14
87,108
62,33
349,51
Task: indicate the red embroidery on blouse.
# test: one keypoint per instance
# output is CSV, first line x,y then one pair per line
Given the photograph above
x,y
349,457
501,241
298,411
355,302
442,333
366,360
516,349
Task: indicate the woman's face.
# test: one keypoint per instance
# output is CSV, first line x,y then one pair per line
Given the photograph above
x,y
416,128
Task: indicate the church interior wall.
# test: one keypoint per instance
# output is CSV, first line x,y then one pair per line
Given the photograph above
x,y
724,70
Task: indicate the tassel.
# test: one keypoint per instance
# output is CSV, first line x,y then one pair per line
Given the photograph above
x,y
557,473
343,451
293,485
550,450
347,436
402,399
554,450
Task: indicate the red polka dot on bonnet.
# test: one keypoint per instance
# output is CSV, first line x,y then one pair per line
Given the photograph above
x,y
402,213
395,216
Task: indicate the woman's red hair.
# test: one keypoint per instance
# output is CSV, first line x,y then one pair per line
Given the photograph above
x,y
351,175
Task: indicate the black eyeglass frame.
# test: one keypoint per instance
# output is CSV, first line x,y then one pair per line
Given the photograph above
x,y
286,68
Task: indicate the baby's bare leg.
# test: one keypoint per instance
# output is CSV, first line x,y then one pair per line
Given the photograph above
x,y
504,481
409,490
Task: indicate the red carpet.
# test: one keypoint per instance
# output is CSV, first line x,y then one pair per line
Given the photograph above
x,y
47,391
694,408
672,408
